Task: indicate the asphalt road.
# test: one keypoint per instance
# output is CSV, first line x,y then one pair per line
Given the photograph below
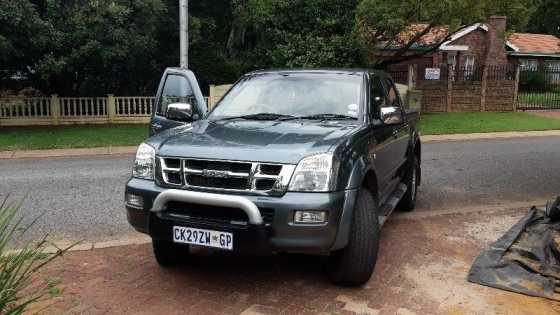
x,y
82,197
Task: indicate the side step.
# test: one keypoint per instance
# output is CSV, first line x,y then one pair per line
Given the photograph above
x,y
391,203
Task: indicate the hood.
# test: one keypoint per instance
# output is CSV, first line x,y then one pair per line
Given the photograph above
x,y
252,140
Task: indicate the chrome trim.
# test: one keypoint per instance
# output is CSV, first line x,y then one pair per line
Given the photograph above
x,y
280,186
165,170
210,199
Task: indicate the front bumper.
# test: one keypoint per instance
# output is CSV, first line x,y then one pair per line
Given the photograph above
x,y
279,234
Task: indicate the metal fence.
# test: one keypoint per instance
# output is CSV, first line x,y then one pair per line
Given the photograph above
x,y
539,89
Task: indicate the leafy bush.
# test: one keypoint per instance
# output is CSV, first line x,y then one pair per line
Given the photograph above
x,y
533,81
17,288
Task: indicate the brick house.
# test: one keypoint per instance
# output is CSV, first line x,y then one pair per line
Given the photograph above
x,y
479,44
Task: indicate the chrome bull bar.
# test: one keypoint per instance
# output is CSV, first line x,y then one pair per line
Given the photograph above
x,y
210,199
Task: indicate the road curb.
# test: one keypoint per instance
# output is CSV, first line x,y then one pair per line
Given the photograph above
x,y
25,154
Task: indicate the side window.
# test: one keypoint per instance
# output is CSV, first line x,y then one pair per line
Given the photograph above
x,y
176,90
376,94
392,94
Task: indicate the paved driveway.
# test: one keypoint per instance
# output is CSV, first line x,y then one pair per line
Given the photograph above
x,y
82,197
421,269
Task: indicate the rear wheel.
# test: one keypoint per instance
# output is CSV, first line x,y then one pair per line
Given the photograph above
x,y
408,201
167,253
353,265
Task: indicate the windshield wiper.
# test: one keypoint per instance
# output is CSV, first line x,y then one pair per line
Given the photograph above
x,y
324,117
259,116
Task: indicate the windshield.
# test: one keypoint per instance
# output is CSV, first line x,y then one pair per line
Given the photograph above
x,y
292,94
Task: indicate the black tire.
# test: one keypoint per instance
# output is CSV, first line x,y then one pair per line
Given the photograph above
x,y
412,179
168,254
354,265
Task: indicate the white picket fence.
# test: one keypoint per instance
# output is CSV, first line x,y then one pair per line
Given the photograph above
x,y
54,110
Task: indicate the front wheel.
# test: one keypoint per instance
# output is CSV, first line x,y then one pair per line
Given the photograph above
x,y
353,265
408,201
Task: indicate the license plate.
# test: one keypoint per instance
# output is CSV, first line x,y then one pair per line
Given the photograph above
x,y
209,238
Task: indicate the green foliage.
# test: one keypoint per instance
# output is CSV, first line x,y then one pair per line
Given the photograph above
x,y
518,12
78,136
300,33
453,123
95,47
17,268
545,18
24,40
535,81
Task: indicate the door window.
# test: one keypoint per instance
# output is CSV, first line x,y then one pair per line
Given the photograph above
x,y
176,90
376,95
392,94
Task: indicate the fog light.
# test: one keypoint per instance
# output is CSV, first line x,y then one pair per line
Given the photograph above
x,y
310,217
134,201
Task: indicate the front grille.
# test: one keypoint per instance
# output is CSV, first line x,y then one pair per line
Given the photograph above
x,y
261,178
214,214
216,182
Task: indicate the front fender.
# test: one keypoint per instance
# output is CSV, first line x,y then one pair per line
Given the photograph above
x,y
356,177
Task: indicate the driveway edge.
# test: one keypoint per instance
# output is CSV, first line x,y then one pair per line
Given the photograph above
x,y
67,152
490,135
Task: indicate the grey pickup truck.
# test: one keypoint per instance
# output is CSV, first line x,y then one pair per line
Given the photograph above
x,y
306,161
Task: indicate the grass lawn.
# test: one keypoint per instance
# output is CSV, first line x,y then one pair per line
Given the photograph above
x,y
79,136
449,123
88,136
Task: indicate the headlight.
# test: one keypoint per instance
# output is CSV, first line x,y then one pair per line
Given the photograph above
x,y
314,173
144,162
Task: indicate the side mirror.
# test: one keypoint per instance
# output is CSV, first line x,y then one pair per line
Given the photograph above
x,y
391,115
180,112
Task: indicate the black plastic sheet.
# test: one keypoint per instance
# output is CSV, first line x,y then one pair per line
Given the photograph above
x,y
527,258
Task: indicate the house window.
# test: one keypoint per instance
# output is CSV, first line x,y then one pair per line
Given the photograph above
x,y
554,70
529,64
553,65
451,63
469,67
451,60
469,62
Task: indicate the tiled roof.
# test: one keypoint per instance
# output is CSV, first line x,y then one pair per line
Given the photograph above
x,y
434,36
535,43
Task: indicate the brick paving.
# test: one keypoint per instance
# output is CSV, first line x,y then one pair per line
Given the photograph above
x,y
421,270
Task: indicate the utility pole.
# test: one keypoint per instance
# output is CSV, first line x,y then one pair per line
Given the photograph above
x,y
184,32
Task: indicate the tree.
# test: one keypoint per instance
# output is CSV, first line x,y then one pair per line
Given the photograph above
x,y
546,18
297,33
86,47
24,40
94,47
379,22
